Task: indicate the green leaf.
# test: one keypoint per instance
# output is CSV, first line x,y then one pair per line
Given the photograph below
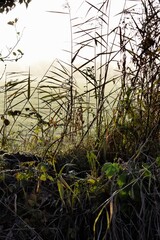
x,y
147,172
50,178
158,161
61,190
42,167
110,169
21,176
123,193
43,177
121,180
91,181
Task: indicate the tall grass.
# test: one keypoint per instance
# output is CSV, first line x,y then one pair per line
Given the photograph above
x,y
108,103
100,144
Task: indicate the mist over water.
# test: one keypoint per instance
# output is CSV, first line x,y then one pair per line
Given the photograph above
x,y
35,110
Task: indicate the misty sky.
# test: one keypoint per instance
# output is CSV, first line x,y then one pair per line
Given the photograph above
x,y
45,34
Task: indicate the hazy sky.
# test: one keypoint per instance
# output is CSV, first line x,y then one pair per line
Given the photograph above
x,y
44,34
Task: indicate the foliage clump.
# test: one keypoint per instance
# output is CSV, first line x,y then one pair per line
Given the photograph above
x,y
119,202
7,5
